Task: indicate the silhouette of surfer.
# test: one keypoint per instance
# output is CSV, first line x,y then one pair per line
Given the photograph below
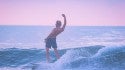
x,y
51,38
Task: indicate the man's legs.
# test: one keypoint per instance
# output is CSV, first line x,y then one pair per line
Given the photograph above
x,y
47,54
56,52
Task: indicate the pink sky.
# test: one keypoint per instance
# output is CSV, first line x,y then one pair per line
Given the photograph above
x,y
78,12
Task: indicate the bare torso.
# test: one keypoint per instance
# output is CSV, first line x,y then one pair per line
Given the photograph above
x,y
55,32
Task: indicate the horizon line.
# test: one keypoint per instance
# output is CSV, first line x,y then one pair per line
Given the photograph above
x,y
67,25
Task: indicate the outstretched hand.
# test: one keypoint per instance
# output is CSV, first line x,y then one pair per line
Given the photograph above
x,y
63,15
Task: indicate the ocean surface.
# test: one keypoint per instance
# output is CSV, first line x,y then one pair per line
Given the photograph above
x,y
80,48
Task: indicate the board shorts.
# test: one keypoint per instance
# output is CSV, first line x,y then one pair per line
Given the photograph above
x,y
51,42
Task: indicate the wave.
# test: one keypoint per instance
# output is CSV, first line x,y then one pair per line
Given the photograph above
x,y
106,58
111,56
16,57
83,58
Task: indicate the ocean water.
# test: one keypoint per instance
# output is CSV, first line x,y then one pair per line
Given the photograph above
x,y
80,47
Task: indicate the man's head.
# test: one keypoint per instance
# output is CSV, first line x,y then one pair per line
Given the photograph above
x,y
58,23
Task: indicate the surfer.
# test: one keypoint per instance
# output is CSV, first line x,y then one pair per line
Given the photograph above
x,y
51,39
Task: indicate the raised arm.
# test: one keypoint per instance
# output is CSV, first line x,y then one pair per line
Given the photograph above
x,y
63,27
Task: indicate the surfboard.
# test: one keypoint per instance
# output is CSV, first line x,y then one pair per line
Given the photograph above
x,y
53,60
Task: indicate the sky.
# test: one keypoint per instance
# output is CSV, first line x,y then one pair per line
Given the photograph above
x,y
78,12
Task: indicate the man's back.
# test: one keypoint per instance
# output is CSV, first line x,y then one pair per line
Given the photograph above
x,y
55,32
